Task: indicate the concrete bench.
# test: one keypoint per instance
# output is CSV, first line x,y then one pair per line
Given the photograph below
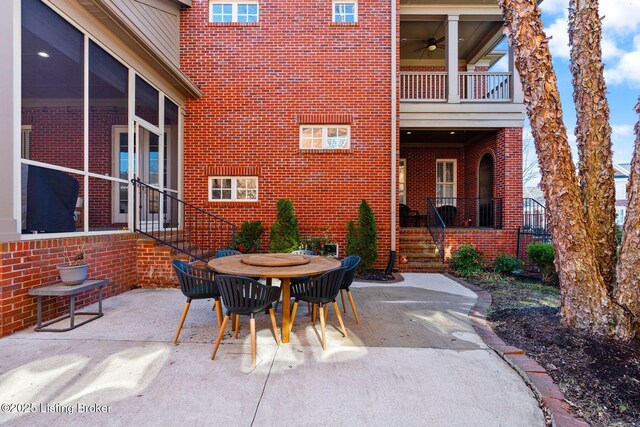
x,y
62,290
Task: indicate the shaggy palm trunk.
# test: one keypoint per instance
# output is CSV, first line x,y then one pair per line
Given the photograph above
x,y
628,290
584,298
593,134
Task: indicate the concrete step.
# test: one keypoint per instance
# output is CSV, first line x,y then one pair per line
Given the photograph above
x,y
415,256
423,267
418,245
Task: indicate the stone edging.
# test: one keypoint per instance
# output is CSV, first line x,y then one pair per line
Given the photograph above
x,y
547,392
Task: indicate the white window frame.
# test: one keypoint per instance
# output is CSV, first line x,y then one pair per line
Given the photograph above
x,y
325,138
333,11
234,10
234,189
455,180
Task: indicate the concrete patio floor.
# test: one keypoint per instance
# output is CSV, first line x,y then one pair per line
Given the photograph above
x,y
414,359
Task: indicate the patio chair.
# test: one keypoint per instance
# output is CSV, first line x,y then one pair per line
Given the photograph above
x,y
196,283
319,291
245,296
226,252
303,278
349,265
408,217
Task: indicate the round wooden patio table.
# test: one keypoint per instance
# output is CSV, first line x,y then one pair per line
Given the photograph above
x,y
276,266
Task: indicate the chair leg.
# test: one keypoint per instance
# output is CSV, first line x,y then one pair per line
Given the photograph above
x,y
274,325
220,335
324,338
237,326
184,316
337,310
326,313
344,306
252,327
293,315
218,307
353,306
314,308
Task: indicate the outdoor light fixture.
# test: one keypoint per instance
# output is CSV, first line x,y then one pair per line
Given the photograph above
x,y
408,132
432,47
452,133
43,54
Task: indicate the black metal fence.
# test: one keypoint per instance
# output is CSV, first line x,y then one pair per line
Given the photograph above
x,y
534,230
469,212
178,224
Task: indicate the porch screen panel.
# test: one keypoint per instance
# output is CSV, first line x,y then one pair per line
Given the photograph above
x,y
52,87
170,170
147,102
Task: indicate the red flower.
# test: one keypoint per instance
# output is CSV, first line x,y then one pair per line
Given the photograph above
x,y
241,247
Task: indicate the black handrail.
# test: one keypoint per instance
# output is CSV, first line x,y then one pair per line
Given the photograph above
x,y
436,227
182,226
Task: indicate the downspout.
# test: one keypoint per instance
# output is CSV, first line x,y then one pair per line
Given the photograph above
x,y
394,142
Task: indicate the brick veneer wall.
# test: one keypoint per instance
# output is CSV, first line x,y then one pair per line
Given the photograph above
x,y
30,264
262,81
421,172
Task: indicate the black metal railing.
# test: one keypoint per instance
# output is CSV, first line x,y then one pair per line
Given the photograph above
x,y
436,227
534,229
469,212
178,224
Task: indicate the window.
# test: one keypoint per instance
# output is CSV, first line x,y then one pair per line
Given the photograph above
x,y
329,137
445,182
228,188
246,11
25,141
402,181
345,11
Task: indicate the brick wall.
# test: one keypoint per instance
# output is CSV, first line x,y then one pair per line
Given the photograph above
x,y
259,80
421,172
154,265
489,242
30,264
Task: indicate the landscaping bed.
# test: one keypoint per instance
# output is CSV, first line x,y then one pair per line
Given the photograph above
x,y
600,378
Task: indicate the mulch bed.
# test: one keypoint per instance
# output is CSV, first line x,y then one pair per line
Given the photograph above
x,y
375,275
599,378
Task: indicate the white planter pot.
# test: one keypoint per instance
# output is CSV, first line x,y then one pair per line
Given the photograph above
x,y
73,275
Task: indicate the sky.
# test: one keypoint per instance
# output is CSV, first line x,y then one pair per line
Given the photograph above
x,y
621,55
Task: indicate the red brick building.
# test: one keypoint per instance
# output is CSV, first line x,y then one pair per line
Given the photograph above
x,y
229,106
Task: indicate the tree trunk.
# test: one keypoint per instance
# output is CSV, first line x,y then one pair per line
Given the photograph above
x,y
593,134
628,290
585,301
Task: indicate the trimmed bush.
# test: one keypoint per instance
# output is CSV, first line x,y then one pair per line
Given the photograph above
x,y
284,235
541,254
363,239
248,238
467,260
507,264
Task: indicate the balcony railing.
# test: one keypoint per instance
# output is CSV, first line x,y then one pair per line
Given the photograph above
x,y
431,86
469,212
484,87
423,86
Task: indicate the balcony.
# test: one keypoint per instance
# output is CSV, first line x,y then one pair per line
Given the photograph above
x,y
416,86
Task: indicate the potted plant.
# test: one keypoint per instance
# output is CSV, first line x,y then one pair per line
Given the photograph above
x,y
74,270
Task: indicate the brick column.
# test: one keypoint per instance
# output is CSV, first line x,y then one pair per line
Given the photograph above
x,y
508,170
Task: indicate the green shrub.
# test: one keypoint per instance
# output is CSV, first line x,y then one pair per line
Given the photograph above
x,y
467,260
541,254
284,235
507,264
363,240
248,238
321,245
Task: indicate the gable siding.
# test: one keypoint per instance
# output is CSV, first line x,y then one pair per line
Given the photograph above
x,y
158,20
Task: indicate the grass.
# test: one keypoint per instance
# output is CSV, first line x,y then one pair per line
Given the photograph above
x,y
514,293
